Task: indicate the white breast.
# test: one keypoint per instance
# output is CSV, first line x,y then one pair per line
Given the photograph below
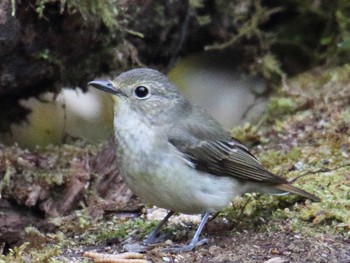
x,y
156,171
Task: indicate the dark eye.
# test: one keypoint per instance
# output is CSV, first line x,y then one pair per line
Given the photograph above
x,y
141,92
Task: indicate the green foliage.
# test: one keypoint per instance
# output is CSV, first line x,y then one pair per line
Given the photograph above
x,y
15,255
285,36
270,66
322,132
105,10
281,106
276,36
25,253
308,141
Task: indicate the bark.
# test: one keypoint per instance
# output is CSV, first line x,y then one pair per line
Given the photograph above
x,y
36,187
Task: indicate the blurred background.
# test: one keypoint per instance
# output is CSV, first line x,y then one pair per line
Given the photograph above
x,y
227,56
209,79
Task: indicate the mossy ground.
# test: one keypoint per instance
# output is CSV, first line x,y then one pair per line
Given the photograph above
x,y
305,134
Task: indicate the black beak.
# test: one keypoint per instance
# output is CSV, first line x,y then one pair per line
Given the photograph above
x,y
104,85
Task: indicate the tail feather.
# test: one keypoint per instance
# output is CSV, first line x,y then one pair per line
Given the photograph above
x,y
294,190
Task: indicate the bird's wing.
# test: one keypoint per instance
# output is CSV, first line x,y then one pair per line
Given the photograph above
x,y
211,149
229,158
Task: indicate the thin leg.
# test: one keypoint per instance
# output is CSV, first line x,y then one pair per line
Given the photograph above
x,y
153,235
195,240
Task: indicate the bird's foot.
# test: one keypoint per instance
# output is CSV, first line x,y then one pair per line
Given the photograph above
x,y
191,246
153,239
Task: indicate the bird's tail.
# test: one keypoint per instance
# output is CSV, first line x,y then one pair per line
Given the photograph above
x,y
294,190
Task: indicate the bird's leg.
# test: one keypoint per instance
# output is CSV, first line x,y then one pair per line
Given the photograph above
x,y
195,240
153,235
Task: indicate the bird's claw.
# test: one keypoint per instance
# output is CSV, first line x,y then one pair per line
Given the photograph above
x,y
186,248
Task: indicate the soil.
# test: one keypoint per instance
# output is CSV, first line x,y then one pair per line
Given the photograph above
x,y
242,246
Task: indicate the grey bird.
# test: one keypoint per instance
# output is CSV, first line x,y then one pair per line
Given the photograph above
x,y
174,155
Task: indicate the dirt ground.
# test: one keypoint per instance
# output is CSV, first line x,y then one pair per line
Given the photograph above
x,y
225,244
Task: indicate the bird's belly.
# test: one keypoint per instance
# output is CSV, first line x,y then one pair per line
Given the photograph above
x,y
176,186
159,175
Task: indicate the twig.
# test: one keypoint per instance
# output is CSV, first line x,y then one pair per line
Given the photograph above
x,y
322,170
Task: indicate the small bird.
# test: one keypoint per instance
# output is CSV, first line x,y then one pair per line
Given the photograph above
x,y
174,155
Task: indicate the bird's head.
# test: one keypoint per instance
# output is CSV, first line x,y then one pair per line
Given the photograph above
x,y
146,91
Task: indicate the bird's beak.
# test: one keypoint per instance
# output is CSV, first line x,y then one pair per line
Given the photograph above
x,y
105,85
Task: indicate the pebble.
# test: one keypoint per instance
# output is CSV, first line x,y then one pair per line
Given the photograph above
x,y
168,242
166,259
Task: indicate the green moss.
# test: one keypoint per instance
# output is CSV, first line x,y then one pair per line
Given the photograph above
x,y
46,255
15,254
52,169
280,106
290,36
116,228
89,10
312,144
270,67
246,133
106,10
25,253
331,215
76,232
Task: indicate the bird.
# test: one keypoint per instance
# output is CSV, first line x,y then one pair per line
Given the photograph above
x,y
174,155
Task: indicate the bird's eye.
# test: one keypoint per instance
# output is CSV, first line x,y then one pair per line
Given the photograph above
x,y
141,92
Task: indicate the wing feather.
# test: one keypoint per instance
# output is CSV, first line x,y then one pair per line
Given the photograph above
x,y
206,146
228,158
